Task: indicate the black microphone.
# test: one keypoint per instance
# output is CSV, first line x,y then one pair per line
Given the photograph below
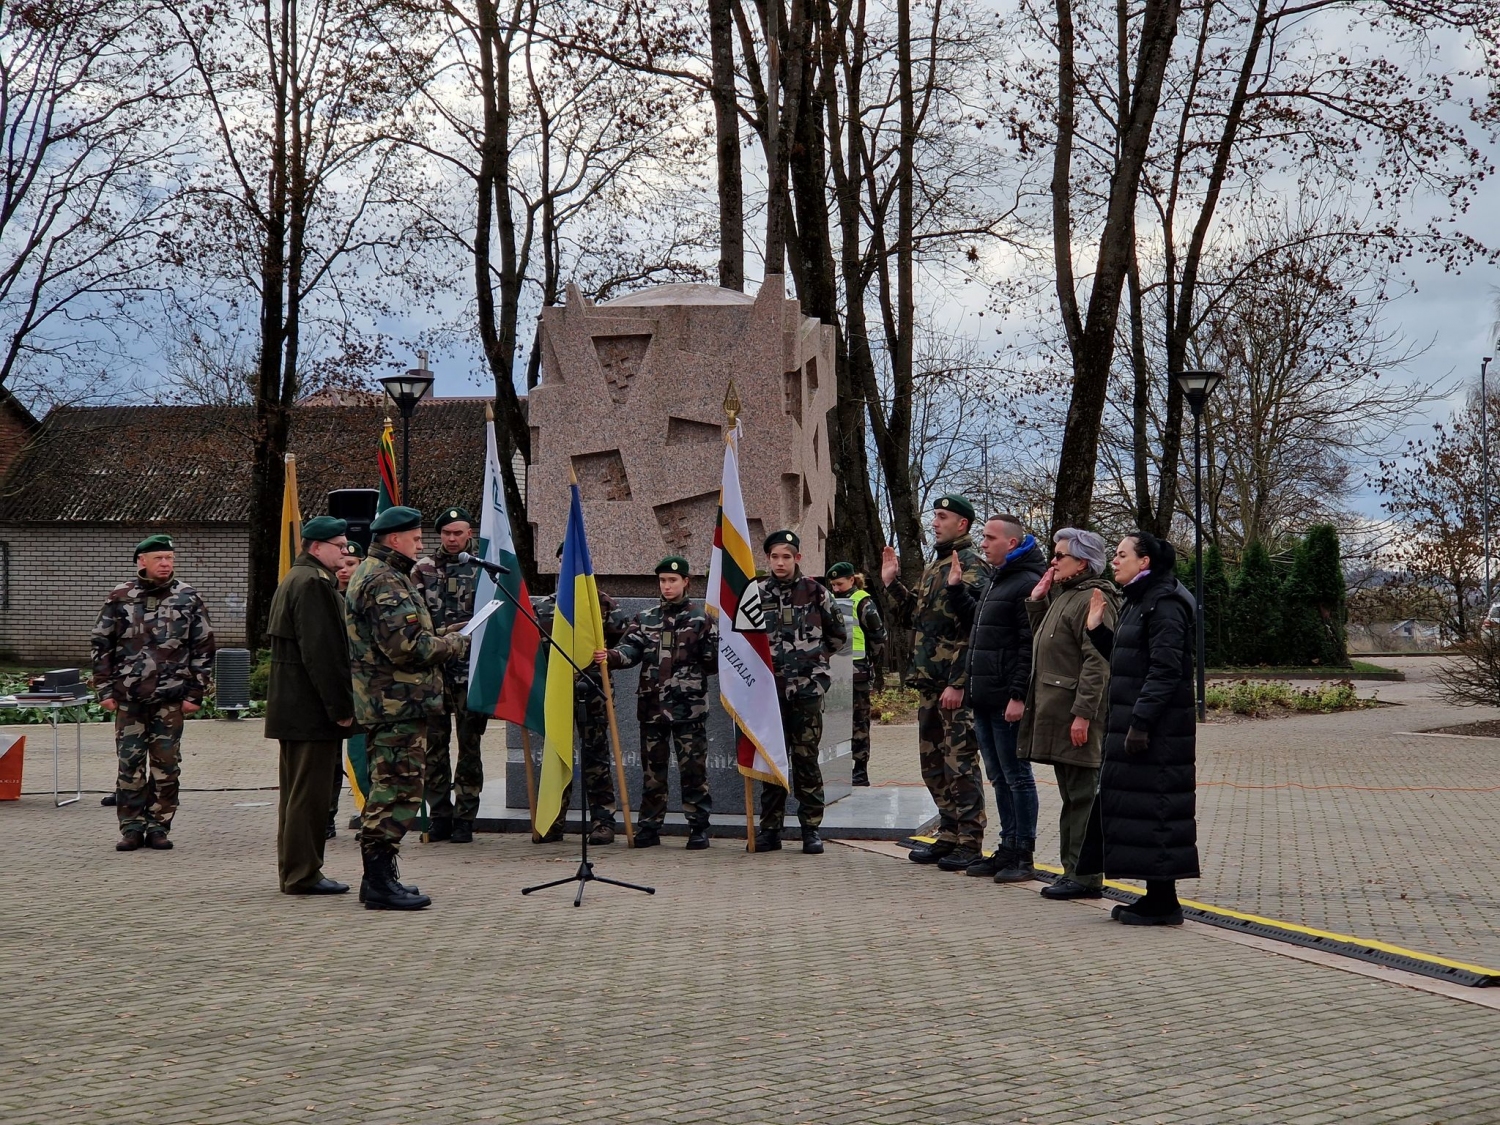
x,y
493,567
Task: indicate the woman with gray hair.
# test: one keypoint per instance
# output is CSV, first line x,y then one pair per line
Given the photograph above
x,y
1067,701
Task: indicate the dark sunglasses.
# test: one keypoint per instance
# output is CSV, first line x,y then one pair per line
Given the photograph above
x,y
1056,555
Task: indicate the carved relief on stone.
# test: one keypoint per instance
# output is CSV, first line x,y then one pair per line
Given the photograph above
x,y
621,357
685,431
687,525
792,389
601,476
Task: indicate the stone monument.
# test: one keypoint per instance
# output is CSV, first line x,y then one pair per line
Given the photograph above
x,y
631,400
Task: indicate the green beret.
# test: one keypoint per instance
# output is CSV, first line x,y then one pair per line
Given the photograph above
x,y
454,514
153,543
397,519
674,564
322,528
353,548
777,538
952,502
841,570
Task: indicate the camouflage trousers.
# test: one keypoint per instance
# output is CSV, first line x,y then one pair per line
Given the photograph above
x,y
861,739
594,759
950,766
802,723
398,754
692,772
453,790
148,742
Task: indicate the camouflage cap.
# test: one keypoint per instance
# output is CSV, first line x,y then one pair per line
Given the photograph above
x,y
396,519
454,514
322,528
841,570
674,564
777,538
355,548
952,502
153,543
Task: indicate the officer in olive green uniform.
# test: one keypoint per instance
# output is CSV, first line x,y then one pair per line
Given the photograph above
x,y
153,658
448,587
677,647
869,639
592,720
939,670
805,628
310,704
397,659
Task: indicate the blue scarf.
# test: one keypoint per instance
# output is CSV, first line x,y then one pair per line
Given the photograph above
x,y
1026,544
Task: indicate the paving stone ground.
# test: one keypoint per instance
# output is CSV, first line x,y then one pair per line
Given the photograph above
x,y
179,987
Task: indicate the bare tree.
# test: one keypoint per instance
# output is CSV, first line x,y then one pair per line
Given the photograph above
x,y
91,131
304,103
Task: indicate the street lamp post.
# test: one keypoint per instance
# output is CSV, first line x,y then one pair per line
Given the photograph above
x,y
1197,386
1484,478
406,391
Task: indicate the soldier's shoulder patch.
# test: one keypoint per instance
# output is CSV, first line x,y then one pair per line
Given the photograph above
x,y
412,618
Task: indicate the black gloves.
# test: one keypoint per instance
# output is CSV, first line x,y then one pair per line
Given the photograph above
x,y
1136,741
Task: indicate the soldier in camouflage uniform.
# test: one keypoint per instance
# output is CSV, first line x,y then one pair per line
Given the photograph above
x,y
869,642
448,587
592,720
939,670
396,659
153,653
805,628
677,647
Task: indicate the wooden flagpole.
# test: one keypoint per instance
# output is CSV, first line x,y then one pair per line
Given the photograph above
x,y
749,816
614,742
530,780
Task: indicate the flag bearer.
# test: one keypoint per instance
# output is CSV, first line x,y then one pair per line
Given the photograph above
x,y
869,636
448,586
676,646
805,628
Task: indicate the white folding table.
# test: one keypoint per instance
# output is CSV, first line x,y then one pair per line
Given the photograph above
x,y
55,707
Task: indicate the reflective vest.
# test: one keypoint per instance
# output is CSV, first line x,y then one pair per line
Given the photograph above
x,y
856,597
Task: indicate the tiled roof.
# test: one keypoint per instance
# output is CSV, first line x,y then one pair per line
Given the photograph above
x,y
191,464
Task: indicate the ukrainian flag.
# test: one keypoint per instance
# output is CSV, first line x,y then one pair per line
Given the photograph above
x,y
578,632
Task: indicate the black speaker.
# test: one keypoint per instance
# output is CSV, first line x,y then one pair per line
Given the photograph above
x,y
357,506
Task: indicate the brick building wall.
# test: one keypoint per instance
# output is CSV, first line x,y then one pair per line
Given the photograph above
x,y
57,576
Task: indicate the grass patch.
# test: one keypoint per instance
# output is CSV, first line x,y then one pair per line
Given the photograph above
x,y
1263,698
894,705
1355,669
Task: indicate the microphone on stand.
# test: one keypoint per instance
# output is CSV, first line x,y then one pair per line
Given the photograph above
x,y
495,569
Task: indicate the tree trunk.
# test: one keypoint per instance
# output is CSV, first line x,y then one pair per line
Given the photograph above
x,y
727,145
1092,339
497,327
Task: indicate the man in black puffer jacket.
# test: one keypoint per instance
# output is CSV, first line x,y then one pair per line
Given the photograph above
x,y
999,667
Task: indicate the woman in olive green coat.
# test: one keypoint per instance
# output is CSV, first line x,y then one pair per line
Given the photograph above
x,y
1067,701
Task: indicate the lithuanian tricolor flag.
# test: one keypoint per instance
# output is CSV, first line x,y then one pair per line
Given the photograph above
x,y
577,631
291,520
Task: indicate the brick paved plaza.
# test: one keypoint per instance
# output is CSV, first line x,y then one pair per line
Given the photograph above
x,y
179,987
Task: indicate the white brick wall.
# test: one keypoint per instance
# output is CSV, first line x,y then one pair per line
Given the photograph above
x,y
59,576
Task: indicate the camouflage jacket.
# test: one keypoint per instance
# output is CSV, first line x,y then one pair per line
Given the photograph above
x,y
677,647
153,644
806,627
448,587
940,641
393,652
615,625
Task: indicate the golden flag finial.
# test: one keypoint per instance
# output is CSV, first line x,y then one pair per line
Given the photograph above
x,y
489,411
732,404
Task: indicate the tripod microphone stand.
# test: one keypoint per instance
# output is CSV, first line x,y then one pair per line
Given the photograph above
x,y
585,873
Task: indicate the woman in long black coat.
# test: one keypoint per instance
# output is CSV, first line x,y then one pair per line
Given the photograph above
x,y
1143,825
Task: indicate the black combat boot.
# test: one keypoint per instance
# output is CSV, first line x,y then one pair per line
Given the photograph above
x,y
812,843
440,828
931,853
697,839
986,866
409,888
1018,870
603,832
767,841
463,832
646,837
861,775
958,859
381,891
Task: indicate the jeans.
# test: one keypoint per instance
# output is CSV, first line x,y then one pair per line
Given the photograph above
x,y
1015,788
